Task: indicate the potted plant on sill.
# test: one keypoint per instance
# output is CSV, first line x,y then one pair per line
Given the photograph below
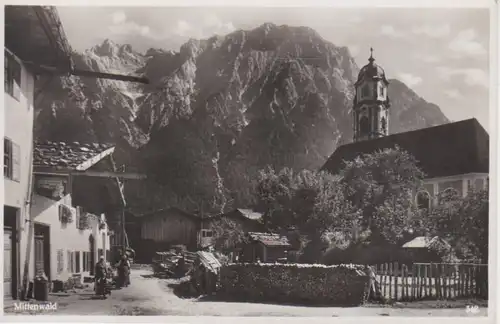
x,y
84,221
66,216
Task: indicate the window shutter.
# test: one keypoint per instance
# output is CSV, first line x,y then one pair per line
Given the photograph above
x,y
77,262
16,162
7,158
69,261
16,76
60,261
77,218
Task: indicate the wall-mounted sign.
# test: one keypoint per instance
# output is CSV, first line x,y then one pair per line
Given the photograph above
x,y
53,187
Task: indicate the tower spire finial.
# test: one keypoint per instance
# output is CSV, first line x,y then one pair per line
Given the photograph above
x,y
371,59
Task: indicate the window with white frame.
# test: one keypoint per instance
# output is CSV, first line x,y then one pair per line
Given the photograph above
x,y
381,91
12,76
11,160
206,233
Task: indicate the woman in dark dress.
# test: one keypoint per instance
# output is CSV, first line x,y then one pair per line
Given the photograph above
x,y
125,265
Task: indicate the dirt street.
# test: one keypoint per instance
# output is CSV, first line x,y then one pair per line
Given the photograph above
x,y
152,296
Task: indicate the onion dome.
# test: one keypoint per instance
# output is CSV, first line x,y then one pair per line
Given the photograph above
x,y
371,71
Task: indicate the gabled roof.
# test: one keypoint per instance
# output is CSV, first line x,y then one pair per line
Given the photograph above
x,y
424,242
68,157
269,239
450,149
250,214
247,214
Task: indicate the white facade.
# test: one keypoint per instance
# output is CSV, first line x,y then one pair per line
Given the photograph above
x,y
67,242
461,183
18,113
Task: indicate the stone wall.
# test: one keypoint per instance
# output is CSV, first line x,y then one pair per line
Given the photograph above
x,y
338,285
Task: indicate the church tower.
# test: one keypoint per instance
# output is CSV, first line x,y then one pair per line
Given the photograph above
x,y
371,103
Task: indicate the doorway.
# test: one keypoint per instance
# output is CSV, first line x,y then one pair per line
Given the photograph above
x,y
92,253
42,250
10,251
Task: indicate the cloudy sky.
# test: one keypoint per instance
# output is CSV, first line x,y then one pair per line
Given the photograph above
x,y
442,54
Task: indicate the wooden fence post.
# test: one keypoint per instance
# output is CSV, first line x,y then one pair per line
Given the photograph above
x,y
467,273
390,280
475,281
444,276
406,287
402,277
419,283
414,281
396,279
385,271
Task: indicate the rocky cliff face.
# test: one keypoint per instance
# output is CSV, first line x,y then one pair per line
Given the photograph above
x,y
219,110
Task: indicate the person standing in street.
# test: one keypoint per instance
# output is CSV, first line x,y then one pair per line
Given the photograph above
x,y
100,278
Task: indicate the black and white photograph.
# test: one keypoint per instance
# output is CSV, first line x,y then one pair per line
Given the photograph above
x,y
249,161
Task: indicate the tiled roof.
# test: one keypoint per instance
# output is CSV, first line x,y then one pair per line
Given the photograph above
x,y
446,150
269,239
65,156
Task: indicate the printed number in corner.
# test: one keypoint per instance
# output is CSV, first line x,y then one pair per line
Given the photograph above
x,y
472,309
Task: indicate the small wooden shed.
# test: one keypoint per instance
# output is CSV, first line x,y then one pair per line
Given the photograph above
x,y
424,249
264,247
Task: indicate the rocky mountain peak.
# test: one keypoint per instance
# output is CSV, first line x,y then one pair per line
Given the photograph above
x,y
106,48
273,95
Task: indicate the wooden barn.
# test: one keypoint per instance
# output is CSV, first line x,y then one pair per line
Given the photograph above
x,y
170,226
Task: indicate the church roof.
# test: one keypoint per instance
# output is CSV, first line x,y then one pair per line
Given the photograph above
x,y
450,149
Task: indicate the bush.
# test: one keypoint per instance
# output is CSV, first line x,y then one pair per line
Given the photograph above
x,y
366,255
339,285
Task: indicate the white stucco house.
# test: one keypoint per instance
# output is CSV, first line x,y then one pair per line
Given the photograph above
x,y
36,237
17,147
69,209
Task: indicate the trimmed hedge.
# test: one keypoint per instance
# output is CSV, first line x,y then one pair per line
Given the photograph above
x,y
316,284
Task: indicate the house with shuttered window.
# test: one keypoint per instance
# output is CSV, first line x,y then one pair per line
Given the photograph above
x,y
36,50
71,204
18,114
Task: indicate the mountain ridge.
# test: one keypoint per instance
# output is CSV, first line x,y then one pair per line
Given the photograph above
x,y
218,110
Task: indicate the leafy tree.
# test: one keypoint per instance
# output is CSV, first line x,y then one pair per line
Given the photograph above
x,y
380,186
462,221
227,234
312,202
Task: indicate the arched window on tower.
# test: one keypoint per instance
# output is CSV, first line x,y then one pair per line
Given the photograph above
x,y
365,91
423,200
364,125
381,92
